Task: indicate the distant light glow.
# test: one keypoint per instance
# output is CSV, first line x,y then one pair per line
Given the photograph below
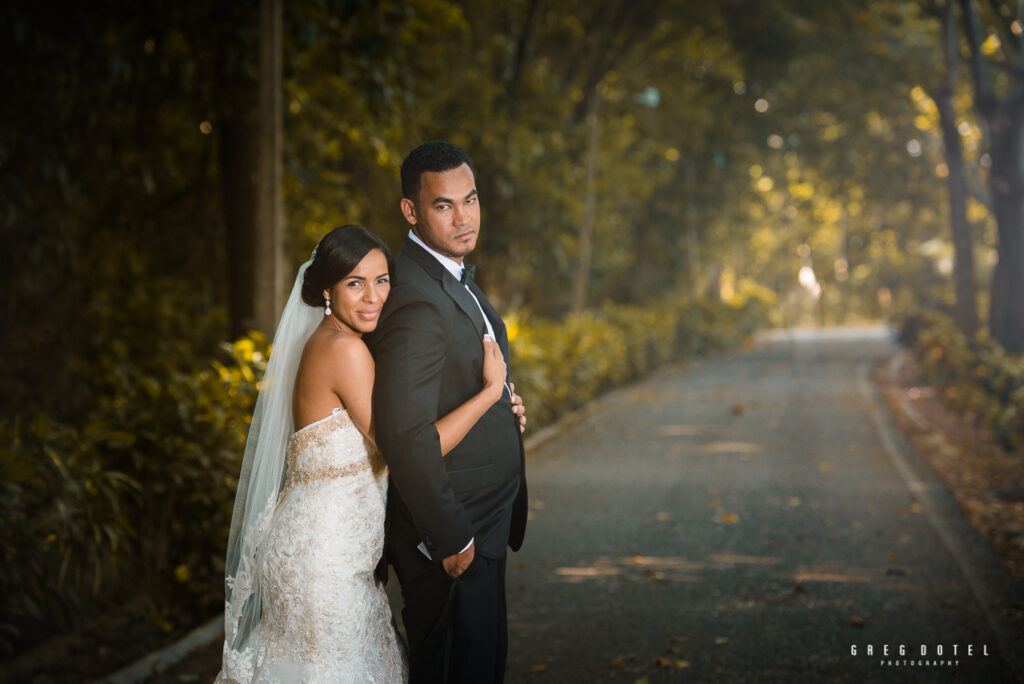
x,y
206,128
739,87
986,160
964,128
775,141
764,183
803,250
672,154
914,147
149,47
1017,28
809,281
761,105
941,170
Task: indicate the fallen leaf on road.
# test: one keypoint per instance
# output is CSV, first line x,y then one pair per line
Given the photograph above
x,y
679,639
672,663
793,501
737,409
856,621
643,680
716,502
721,641
662,516
727,518
826,466
618,662
539,668
671,649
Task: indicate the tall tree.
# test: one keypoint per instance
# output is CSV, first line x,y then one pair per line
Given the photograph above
x,y
965,310
1004,117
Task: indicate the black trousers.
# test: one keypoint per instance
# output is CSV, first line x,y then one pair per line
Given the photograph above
x,y
457,628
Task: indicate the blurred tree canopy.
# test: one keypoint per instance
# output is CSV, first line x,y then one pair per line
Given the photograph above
x,y
739,145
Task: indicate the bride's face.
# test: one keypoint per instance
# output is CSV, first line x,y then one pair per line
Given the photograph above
x,y
357,298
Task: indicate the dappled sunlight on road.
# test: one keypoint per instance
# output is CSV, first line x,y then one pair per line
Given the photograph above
x,y
659,568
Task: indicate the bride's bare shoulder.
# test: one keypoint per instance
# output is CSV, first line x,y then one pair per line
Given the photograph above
x,y
331,349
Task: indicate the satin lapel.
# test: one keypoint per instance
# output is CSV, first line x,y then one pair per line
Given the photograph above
x,y
454,289
460,294
496,322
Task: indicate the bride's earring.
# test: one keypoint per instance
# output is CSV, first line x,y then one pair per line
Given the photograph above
x,y
327,306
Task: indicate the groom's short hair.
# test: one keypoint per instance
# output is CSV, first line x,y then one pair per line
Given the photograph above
x,y
433,157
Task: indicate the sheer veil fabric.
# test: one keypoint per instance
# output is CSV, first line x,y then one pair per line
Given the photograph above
x,y
260,482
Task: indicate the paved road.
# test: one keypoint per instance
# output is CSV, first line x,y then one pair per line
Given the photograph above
x,y
752,518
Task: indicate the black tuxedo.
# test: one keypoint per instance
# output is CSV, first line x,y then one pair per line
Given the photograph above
x,y
429,353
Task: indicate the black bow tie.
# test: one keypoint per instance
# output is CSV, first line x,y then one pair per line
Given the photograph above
x,y
468,270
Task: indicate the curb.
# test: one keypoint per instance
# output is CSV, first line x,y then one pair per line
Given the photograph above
x,y
210,632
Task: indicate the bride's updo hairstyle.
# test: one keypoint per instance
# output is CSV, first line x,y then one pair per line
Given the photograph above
x,y
337,255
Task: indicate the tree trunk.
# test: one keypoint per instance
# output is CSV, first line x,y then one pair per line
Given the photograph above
x,y
965,311
269,286
1005,119
579,300
1006,316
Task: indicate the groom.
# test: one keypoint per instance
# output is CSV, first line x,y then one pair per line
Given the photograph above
x,y
449,519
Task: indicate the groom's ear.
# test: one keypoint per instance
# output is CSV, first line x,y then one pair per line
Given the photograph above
x,y
408,210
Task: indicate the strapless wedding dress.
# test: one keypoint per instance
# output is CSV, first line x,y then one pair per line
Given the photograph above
x,y
325,617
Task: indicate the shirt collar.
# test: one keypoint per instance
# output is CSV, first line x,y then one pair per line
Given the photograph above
x,y
453,267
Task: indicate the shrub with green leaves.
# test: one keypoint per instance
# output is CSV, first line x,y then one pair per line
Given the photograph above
x,y
560,366
976,377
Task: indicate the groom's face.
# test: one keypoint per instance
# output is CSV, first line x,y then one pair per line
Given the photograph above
x,y
445,213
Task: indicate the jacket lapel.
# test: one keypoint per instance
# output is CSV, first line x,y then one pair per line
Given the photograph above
x,y
496,322
452,287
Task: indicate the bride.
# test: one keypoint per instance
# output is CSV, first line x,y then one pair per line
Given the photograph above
x,y
302,603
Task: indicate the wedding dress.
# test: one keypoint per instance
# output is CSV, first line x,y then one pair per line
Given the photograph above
x,y
302,603
325,618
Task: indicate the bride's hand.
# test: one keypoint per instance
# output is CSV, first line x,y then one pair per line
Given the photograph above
x,y
518,407
494,368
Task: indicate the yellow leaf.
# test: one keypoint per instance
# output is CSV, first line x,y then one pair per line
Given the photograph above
x,y
990,45
719,641
672,663
618,662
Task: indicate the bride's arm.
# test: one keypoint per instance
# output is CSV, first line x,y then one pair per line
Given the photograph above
x,y
352,370
454,426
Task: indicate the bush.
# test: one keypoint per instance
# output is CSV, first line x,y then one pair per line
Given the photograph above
x,y
140,493
560,366
976,376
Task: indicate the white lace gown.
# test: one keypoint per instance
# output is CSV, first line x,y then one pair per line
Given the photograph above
x,y
325,617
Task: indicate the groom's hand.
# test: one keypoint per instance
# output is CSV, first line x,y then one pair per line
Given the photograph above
x,y
456,565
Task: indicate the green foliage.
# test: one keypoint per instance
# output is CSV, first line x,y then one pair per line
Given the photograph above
x,y
137,494
560,366
976,376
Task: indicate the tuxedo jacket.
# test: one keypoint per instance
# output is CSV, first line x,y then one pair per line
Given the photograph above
x,y
428,348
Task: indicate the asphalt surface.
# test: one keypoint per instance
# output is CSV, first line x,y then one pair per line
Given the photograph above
x,y
754,518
